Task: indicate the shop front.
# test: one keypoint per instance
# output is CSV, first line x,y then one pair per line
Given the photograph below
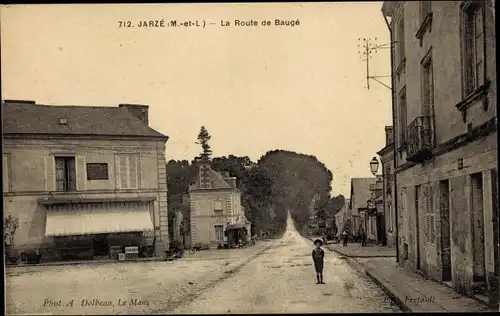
x,y
91,231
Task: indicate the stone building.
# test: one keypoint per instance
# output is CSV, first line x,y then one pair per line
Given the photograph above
x,y
444,96
82,179
387,163
215,205
358,203
342,218
375,230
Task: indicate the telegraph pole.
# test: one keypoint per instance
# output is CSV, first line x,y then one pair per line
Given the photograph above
x,y
366,48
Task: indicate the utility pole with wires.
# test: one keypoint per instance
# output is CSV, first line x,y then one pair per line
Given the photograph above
x,y
367,46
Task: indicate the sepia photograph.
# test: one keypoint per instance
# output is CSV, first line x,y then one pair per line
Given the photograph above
x,y
249,158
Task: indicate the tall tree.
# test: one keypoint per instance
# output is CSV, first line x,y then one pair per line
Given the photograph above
x,y
297,179
179,176
203,138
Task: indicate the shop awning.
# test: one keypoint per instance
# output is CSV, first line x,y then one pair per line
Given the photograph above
x,y
100,221
235,226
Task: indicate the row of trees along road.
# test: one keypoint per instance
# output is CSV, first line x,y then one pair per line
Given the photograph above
x,y
280,181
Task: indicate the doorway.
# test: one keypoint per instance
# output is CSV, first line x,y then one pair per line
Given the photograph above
x,y
380,229
417,221
444,209
101,245
479,270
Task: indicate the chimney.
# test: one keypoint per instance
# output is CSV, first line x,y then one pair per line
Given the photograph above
x,y
138,110
389,136
204,173
231,181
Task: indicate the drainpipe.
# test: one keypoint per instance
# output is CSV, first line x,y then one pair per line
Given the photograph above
x,y
395,195
154,228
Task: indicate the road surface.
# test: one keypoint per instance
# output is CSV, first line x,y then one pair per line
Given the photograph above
x,y
272,277
283,280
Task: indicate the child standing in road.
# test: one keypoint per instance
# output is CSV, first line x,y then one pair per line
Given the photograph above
x,y
318,256
344,237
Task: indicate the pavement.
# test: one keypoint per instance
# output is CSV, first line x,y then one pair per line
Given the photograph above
x,y
78,262
354,250
410,291
283,280
272,277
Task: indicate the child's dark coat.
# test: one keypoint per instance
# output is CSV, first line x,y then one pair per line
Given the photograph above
x,y
318,256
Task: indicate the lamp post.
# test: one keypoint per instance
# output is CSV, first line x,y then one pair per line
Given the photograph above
x,y
374,164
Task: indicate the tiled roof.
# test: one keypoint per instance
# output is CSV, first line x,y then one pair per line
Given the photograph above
x,y
216,180
27,118
360,191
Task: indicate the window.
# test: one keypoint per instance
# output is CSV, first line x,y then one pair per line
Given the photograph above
x,y
401,39
6,172
387,178
127,172
473,46
402,118
97,171
219,232
218,206
427,85
65,173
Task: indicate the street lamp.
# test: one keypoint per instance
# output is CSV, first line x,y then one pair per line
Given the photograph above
x,y
374,165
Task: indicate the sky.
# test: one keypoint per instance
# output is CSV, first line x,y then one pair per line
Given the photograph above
x,y
255,88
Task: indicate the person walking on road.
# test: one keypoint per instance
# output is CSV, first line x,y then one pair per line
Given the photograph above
x,y
362,234
318,256
344,237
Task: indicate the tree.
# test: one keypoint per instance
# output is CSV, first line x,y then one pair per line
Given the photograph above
x,y
297,179
10,225
179,175
203,138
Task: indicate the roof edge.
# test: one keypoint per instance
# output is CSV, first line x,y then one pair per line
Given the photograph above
x,y
84,136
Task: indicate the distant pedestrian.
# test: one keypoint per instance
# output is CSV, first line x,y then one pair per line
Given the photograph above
x,y
363,236
344,237
318,256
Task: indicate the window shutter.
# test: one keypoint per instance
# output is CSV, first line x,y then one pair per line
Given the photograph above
x,y
71,165
431,213
425,207
6,173
132,171
122,171
117,171
81,174
50,179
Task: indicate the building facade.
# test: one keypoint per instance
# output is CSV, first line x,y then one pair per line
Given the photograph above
x,y
375,227
83,179
444,96
358,203
387,163
215,205
342,218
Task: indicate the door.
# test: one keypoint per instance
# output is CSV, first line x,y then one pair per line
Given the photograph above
x,y
417,221
444,208
478,227
380,229
101,247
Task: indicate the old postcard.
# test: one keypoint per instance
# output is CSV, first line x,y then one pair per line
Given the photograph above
x,y
237,158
